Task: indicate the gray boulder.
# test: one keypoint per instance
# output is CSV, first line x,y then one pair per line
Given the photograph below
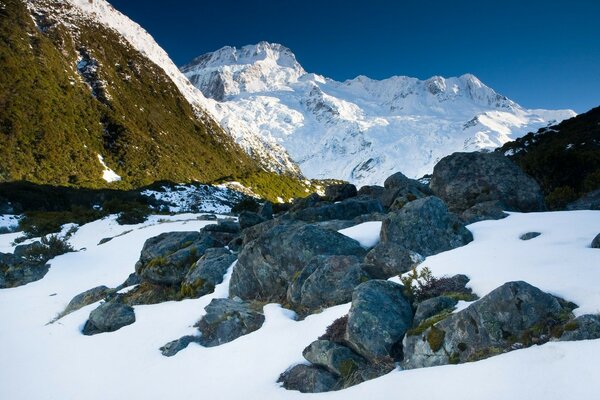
x,y
401,190
227,320
515,314
174,347
207,273
343,210
486,210
371,191
378,319
23,250
389,259
334,357
225,226
248,219
165,259
340,192
465,179
529,235
585,327
85,298
590,201
430,307
267,265
16,271
326,281
109,317
309,379
266,210
596,242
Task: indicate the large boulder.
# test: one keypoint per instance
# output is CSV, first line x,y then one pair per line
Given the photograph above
x,y
401,190
227,320
430,307
340,192
326,281
465,179
249,218
388,259
379,317
590,201
309,379
334,357
267,265
17,271
486,210
109,317
515,314
207,273
585,327
84,299
596,242
165,259
344,210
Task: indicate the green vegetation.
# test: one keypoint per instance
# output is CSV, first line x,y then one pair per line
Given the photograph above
x,y
435,338
563,159
51,246
429,322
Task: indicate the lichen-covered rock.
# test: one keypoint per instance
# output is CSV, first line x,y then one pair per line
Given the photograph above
x,y
86,298
486,210
431,307
516,312
465,179
227,320
378,319
340,192
109,317
401,190
389,259
326,281
267,265
165,259
16,271
585,327
426,227
309,379
343,210
207,273
596,242
334,357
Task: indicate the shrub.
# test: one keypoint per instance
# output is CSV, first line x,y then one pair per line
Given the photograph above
x,y
422,285
335,332
51,247
560,197
247,204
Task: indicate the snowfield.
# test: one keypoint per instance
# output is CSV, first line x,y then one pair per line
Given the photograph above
x,y
56,361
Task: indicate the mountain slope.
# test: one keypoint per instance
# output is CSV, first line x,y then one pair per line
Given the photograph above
x,y
361,130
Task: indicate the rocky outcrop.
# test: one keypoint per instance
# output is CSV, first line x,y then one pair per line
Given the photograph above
x,y
379,317
109,317
17,271
430,307
590,201
248,219
340,192
207,272
388,259
85,298
267,265
324,282
400,190
463,180
343,210
585,327
309,379
486,210
512,316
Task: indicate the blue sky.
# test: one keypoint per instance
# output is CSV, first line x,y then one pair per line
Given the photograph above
x,y
542,54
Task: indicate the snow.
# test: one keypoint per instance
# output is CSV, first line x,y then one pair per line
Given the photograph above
x,y
9,222
367,233
108,174
196,198
64,364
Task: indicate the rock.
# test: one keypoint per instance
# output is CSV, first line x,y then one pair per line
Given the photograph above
x,y
387,259
267,265
326,281
529,235
309,201
109,317
266,210
309,379
248,219
225,226
516,312
165,259
378,319
585,327
431,307
86,298
208,272
16,271
227,320
149,293
344,210
400,190
596,242
426,227
23,250
465,179
590,201
174,347
334,357
371,191
484,211
340,192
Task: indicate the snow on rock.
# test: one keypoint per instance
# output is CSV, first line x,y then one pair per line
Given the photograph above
x,y
9,222
196,198
108,174
559,261
361,130
367,233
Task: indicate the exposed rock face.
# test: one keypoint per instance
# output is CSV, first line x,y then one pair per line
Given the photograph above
x,y
390,259
430,307
208,272
340,192
16,271
591,201
484,211
86,298
326,281
378,319
585,327
227,320
165,259
309,379
109,317
344,210
516,312
334,357
267,265
465,179
248,219
400,190
596,242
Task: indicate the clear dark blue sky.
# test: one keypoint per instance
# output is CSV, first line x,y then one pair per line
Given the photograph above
x,y
542,54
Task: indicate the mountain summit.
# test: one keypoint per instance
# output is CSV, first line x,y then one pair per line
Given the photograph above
x,y
361,130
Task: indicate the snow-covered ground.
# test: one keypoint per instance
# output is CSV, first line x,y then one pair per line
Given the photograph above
x,y
56,361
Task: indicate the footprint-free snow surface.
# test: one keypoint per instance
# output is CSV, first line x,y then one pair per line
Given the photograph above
x,y
56,361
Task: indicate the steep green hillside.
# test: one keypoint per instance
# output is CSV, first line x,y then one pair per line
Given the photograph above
x,y
564,159
69,94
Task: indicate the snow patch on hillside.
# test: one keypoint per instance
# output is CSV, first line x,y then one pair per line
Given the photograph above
x,y
108,174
